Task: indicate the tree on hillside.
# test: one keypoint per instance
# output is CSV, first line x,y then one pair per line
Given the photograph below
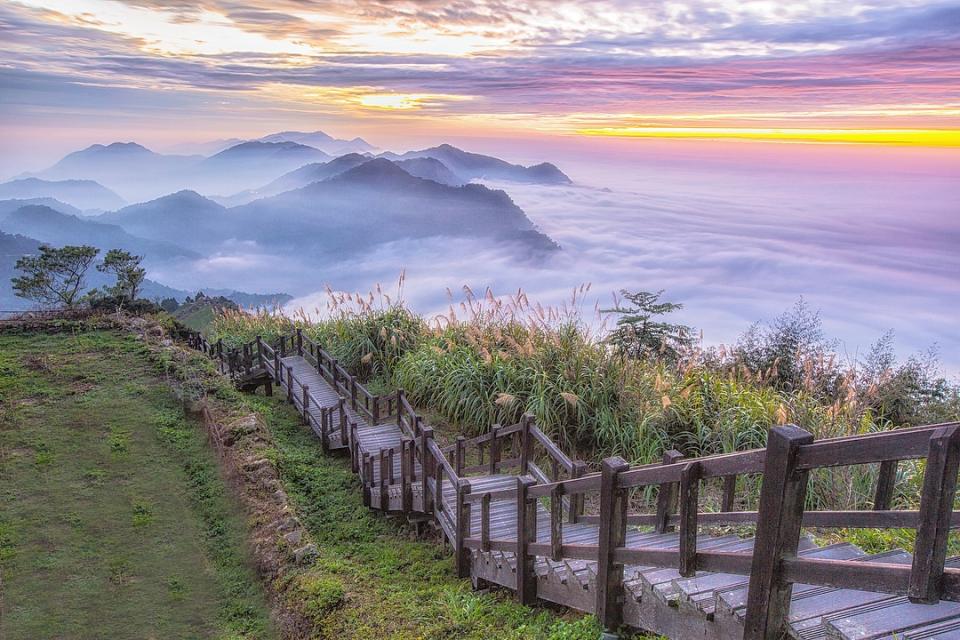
x,y
169,305
126,267
639,332
54,276
791,353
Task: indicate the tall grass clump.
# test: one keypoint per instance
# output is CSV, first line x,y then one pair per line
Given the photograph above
x,y
637,390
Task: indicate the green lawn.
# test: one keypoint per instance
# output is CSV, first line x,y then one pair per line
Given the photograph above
x,y
114,522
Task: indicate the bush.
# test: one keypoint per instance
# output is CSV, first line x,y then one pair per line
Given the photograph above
x,y
502,358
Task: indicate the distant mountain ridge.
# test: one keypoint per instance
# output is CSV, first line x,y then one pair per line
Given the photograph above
x,y
470,166
83,194
9,206
185,218
363,202
56,228
322,141
378,201
313,172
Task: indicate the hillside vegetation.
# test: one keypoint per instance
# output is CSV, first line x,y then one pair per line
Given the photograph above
x,y
491,360
114,521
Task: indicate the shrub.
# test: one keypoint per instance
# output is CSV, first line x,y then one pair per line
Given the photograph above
x,y
490,360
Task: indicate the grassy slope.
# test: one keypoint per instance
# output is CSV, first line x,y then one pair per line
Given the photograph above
x,y
198,318
372,579
113,520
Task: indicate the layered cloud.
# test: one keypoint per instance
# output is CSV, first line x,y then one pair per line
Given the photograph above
x,y
564,67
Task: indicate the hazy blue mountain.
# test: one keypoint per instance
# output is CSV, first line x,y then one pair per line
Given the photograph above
x,y
430,169
470,166
9,206
83,194
313,172
13,246
248,163
139,174
256,152
185,218
322,141
127,168
377,202
117,159
52,227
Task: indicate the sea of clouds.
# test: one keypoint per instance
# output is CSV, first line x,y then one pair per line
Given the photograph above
x,y
870,240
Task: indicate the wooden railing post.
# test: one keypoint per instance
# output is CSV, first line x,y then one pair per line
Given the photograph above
x,y
376,409
426,434
886,482
325,429
384,475
485,523
667,496
779,518
936,509
299,342
306,403
576,500
458,455
613,534
354,443
437,486
556,522
729,493
335,374
526,443
689,498
494,448
290,383
526,534
463,529
259,351
283,347
399,407
407,473
365,478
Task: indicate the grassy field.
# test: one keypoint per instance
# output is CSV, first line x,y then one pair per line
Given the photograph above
x,y
114,522
373,579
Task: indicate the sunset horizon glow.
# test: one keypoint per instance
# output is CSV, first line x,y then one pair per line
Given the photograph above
x,y
824,71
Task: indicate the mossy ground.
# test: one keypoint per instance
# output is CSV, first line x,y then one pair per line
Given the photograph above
x,y
114,521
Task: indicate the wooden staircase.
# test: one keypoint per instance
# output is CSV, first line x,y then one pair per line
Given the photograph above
x,y
636,569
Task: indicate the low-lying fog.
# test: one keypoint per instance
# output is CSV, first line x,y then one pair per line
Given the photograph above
x,y
736,232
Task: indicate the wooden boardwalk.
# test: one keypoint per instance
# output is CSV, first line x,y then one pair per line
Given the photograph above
x,y
494,503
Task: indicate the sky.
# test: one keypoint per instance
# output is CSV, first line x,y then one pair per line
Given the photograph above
x,y
739,153
79,71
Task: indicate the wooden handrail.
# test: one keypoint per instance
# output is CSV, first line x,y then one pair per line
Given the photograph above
x,y
772,566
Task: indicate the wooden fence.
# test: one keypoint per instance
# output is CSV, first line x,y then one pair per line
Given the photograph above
x,y
546,475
